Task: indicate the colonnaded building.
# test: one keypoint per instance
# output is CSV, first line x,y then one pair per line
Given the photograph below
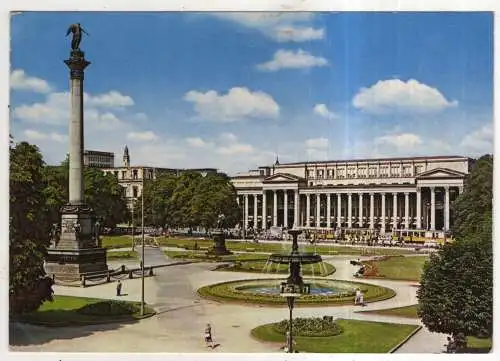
x,y
377,194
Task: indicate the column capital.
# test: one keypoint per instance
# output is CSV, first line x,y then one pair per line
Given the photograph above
x,y
407,194
395,193
446,188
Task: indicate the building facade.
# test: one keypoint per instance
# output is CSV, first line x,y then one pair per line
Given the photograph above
x,y
377,194
98,159
132,178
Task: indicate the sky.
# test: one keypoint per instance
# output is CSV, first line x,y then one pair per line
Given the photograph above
x,y
234,90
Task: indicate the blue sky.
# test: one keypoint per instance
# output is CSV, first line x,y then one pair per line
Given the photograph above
x,y
231,90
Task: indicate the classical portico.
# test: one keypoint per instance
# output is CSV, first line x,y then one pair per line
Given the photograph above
x,y
419,201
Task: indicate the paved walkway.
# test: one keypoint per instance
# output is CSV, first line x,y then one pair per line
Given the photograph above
x,y
182,315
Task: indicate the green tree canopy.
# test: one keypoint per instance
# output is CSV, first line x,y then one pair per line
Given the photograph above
x,y
29,227
473,208
102,193
456,290
189,200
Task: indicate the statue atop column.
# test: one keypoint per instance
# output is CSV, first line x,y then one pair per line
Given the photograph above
x,y
77,31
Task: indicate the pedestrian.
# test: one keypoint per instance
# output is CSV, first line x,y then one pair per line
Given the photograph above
x,y
356,298
361,299
208,336
119,288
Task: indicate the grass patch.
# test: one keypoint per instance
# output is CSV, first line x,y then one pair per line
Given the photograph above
x,y
357,337
405,311
405,268
284,246
237,292
478,345
259,266
116,241
122,255
474,344
74,311
202,255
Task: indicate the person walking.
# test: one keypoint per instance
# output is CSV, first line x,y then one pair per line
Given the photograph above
x,y
119,288
208,336
356,298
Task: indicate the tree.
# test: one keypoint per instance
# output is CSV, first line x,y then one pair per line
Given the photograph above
x,y
188,200
473,208
456,289
105,196
29,228
102,193
215,195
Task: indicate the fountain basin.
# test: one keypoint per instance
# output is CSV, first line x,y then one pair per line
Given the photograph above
x,y
266,292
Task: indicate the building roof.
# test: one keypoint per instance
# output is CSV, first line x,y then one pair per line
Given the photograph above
x,y
378,160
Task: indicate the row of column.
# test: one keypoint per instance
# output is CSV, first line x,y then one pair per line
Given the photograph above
x,y
275,209
349,222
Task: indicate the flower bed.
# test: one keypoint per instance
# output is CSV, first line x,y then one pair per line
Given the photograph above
x,y
314,327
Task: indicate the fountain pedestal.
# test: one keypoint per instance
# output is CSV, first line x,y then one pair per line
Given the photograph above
x,y
219,248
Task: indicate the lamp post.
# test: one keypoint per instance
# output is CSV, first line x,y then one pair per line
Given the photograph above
x,y
133,228
142,243
290,301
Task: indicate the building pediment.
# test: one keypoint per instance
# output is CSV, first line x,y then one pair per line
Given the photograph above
x,y
440,173
282,178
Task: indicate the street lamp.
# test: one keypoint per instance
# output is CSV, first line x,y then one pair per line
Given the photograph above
x,y
142,243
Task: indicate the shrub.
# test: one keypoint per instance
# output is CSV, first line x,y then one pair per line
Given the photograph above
x,y
317,326
109,308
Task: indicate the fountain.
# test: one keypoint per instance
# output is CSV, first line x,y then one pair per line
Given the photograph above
x,y
294,283
294,286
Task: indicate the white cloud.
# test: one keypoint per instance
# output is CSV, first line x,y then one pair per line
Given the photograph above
x,y
55,110
19,80
36,135
288,59
316,143
196,142
401,141
237,104
297,34
112,99
281,27
323,111
397,95
228,137
144,136
480,141
235,149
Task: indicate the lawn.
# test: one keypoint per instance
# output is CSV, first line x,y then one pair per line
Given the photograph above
x,y
122,255
285,246
406,268
116,241
474,344
479,345
211,258
66,311
405,311
357,337
325,269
